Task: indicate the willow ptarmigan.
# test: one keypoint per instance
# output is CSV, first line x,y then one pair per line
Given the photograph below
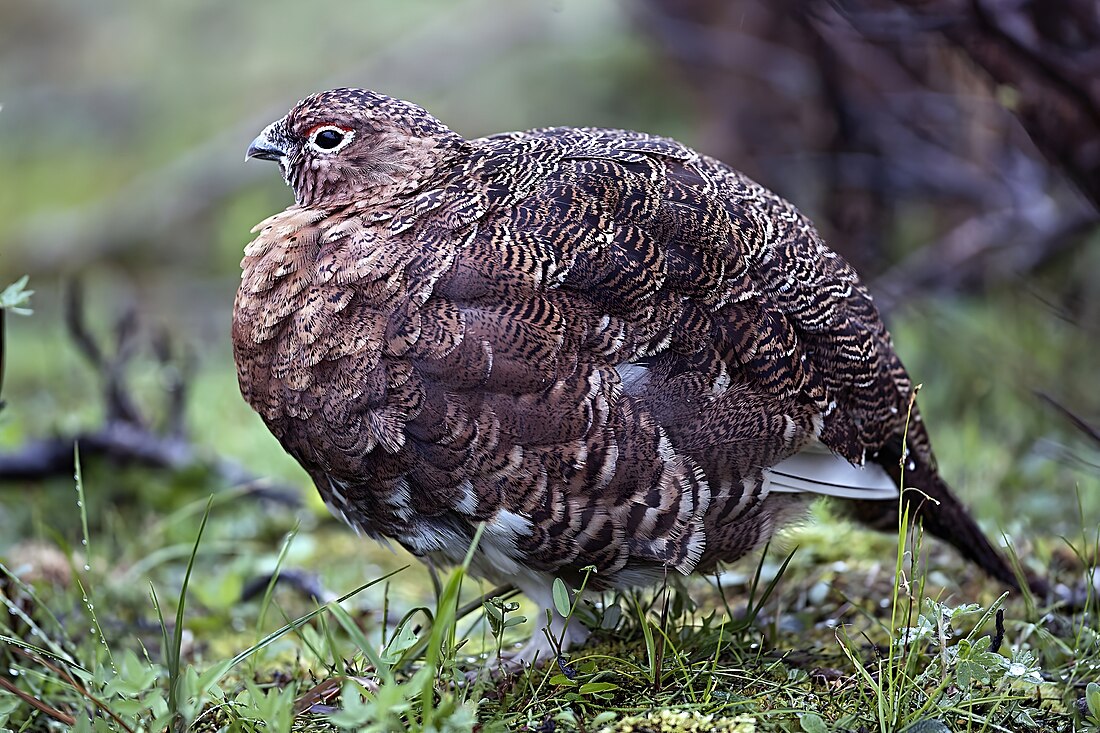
x,y
608,348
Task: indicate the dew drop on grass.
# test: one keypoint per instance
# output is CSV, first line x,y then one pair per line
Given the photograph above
x,y
87,566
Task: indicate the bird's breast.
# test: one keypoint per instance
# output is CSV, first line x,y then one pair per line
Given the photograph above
x,y
326,315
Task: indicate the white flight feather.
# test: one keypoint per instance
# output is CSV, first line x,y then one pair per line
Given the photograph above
x,y
816,470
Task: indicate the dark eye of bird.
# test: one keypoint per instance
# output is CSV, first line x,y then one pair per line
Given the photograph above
x,y
328,139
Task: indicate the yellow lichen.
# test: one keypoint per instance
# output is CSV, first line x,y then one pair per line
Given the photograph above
x,y
680,721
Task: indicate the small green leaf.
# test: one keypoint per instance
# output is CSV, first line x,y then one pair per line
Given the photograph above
x,y
566,716
591,688
492,611
605,717
133,678
812,723
969,672
208,680
461,719
611,617
8,704
562,680
401,642
274,706
1092,699
561,598
1024,719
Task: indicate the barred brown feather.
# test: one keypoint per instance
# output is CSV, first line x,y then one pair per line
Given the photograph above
x,y
595,341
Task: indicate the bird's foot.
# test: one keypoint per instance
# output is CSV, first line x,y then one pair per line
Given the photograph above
x,y
545,645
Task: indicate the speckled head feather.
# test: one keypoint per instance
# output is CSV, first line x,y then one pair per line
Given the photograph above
x,y
610,349
347,145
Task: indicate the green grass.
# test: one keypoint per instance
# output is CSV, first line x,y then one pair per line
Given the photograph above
x,y
123,601
787,646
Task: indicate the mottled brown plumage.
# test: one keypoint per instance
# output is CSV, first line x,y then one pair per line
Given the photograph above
x,y
600,343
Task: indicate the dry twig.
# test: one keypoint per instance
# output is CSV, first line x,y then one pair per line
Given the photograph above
x,y
127,435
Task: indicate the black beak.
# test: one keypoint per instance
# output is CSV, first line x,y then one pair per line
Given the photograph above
x,y
267,146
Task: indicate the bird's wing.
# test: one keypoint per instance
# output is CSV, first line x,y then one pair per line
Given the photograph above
x,y
691,255
642,332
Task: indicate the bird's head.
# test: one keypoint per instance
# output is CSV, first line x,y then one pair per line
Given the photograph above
x,y
347,145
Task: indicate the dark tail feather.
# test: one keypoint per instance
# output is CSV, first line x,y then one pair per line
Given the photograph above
x,y
942,514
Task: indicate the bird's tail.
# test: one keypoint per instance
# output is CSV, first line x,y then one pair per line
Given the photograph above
x,y
930,499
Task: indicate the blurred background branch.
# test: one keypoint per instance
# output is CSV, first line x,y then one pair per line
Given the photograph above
x,y
130,435
979,115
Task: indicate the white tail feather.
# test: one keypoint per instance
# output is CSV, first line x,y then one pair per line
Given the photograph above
x,y
816,472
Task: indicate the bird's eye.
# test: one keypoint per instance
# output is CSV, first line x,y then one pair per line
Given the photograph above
x,y
329,139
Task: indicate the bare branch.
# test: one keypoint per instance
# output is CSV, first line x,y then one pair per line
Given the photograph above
x,y
126,436
1077,420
